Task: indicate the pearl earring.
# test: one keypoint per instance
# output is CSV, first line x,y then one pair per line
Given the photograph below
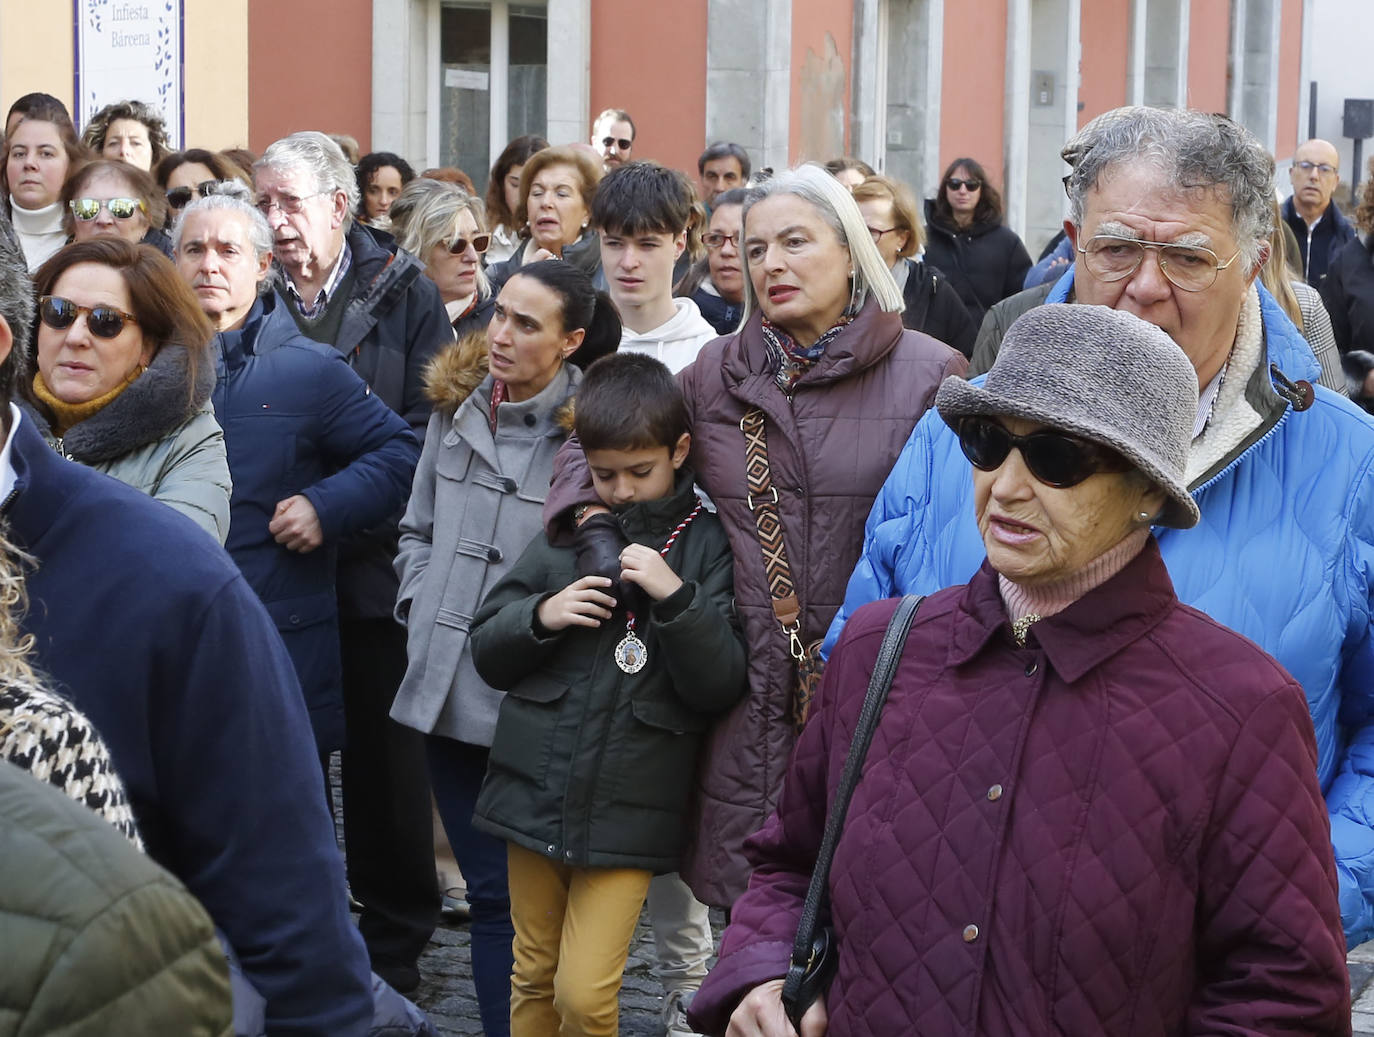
x,y
1144,517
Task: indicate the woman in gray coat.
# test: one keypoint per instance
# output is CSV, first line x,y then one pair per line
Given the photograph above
x,y
501,413
124,376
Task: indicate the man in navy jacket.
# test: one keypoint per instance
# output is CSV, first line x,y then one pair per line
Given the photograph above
x,y
149,628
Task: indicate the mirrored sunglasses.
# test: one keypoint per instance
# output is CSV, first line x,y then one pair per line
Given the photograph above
x,y
1055,458
85,209
479,243
103,321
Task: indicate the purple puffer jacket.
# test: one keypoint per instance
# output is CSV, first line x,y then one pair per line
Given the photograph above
x,y
1116,829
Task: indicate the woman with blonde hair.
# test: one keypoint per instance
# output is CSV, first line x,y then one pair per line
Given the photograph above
x,y
442,225
932,304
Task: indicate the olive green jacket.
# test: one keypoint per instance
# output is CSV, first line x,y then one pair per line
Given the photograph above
x,y
591,766
95,938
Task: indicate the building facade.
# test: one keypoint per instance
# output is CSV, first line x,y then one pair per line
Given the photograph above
x,y
906,85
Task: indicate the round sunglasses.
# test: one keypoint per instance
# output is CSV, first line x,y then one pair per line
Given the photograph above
x,y
1055,458
102,321
86,209
479,243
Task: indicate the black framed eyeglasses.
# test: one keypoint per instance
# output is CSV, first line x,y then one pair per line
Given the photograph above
x,y
180,197
103,321
1055,458
86,209
479,243
714,239
621,143
1191,267
954,183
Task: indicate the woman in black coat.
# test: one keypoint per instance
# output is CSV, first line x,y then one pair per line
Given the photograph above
x,y
1348,287
983,258
932,303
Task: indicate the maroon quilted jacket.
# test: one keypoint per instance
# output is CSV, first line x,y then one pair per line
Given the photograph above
x,y
830,447
1116,829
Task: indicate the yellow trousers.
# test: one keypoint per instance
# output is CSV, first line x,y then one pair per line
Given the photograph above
x,y
573,928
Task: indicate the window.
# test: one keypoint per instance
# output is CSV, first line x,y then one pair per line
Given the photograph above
x,y
493,64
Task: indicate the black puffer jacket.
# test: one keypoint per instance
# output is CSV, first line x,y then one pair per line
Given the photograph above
x,y
934,307
986,262
591,766
1348,293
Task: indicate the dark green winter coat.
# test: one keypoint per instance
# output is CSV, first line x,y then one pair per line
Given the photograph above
x,y
591,766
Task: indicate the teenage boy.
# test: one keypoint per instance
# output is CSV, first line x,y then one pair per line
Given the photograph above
x,y
611,687
641,211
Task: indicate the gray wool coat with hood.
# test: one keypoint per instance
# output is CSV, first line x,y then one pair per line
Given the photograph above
x,y
159,436
474,508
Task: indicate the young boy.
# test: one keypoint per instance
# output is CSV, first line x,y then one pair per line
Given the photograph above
x,y
641,211
610,690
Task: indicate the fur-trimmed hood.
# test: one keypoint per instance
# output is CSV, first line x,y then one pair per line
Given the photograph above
x,y
457,370
155,405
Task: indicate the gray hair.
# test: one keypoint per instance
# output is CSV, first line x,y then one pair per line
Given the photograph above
x,y
833,203
426,213
321,157
17,307
229,196
1196,151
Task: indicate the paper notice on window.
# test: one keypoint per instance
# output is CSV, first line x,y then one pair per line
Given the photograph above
x,y
463,79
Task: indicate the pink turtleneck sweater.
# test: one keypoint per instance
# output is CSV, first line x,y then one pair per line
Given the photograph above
x,y
1045,599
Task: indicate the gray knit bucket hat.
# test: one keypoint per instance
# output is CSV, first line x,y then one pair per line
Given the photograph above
x,y
1100,374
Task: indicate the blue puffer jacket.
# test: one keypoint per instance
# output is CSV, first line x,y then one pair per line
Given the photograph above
x,y
1284,555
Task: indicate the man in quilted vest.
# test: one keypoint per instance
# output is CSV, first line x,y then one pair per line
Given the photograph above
x,y
1169,219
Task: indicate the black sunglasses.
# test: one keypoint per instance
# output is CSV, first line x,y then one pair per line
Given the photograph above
x,y
954,183
103,321
479,243
1055,458
622,143
179,197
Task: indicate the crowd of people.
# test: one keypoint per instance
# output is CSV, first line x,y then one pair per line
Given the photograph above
x,y
560,521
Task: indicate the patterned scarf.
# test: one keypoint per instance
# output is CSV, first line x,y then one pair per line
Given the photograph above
x,y
789,360
498,397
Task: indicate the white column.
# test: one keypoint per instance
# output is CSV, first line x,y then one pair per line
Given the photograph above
x,y
1275,28
570,71
1185,17
868,83
935,70
777,87
500,78
1135,73
1235,104
434,83
1017,112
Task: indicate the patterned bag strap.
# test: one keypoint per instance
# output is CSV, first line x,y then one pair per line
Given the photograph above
x,y
763,502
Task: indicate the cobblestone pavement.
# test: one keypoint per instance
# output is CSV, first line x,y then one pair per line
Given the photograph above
x,y
446,985
1361,963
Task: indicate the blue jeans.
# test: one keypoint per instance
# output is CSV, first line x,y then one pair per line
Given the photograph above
x,y
456,770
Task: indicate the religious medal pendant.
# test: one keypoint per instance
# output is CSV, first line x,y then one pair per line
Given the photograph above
x,y
632,653
1021,627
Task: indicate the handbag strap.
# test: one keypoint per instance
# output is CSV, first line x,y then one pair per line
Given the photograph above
x,y
894,640
762,499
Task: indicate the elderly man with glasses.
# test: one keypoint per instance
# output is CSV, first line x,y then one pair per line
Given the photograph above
x,y
1320,228
1170,215
348,286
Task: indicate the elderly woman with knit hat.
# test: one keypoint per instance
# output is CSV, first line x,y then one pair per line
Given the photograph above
x,y
1087,808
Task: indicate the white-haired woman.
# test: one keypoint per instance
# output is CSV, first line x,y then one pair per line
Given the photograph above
x,y
442,225
823,374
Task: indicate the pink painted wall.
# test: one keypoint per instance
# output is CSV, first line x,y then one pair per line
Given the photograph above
x,y
663,87
1292,114
812,22
1209,44
309,68
973,92
1105,31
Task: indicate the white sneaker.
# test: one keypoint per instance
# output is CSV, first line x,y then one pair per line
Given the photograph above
x,y
675,1015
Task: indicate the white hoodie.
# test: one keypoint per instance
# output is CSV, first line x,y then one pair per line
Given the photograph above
x,y
676,342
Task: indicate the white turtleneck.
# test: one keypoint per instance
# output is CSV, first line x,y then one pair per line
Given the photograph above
x,y
39,231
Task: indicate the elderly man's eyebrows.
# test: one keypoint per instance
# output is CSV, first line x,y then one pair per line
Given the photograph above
x,y
1188,237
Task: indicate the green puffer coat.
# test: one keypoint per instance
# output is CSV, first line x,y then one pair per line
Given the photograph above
x,y
593,767
95,938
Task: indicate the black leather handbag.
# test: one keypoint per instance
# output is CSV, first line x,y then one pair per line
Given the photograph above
x,y
815,951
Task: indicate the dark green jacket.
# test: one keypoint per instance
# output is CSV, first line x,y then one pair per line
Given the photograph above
x,y
593,767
